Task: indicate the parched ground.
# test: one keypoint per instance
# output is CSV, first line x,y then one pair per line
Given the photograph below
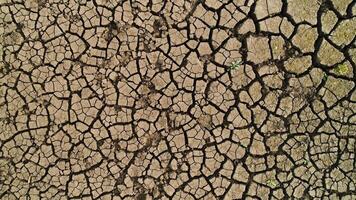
x,y
177,99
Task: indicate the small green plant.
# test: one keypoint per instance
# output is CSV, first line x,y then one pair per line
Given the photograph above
x,y
235,64
341,69
272,183
325,77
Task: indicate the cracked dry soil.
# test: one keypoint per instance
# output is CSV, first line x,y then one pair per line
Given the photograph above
x,y
177,99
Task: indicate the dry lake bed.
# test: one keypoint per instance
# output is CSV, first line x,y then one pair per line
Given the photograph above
x,y
177,99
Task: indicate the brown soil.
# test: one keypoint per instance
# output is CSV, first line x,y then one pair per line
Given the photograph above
x,y
190,99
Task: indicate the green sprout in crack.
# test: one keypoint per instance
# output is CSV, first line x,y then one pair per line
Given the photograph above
x,y
325,77
235,64
341,69
272,183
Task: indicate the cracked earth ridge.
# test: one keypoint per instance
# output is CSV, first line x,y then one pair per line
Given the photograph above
x,y
188,99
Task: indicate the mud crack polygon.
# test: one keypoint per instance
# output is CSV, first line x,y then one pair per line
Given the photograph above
x,y
177,99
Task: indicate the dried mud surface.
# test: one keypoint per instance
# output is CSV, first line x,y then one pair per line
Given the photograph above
x,y
177,99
